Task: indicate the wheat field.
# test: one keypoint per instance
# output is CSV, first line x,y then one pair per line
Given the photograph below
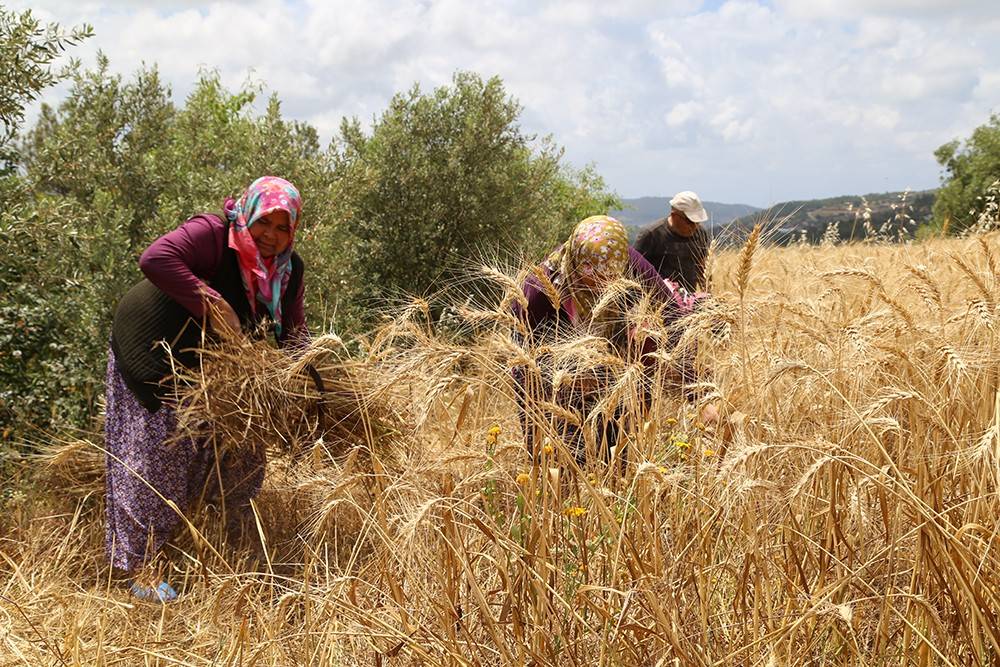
x,y
843,512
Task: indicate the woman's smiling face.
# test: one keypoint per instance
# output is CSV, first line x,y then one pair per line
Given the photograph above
x,y
272,233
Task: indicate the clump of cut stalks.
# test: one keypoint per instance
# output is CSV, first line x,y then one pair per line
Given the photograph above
x,y
248,394
73,464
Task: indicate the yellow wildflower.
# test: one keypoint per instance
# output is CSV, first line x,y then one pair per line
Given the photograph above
x,y
575,511
523,478
671,421
547,448
662,470
493,434
709,452
680,444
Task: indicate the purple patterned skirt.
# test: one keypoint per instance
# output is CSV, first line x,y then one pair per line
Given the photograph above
x,y
144,465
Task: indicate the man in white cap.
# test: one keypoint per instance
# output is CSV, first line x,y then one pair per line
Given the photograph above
x,y
677,245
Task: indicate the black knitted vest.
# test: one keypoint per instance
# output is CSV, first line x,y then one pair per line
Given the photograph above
x,y
146,319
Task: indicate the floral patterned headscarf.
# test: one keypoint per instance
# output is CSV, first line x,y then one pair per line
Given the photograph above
x,y
596,254
264,279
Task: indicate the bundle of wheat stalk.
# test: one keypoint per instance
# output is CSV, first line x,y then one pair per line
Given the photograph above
x,y
74,465
246,394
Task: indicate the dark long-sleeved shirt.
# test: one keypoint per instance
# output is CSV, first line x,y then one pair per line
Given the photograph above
x,y
677,258
180,263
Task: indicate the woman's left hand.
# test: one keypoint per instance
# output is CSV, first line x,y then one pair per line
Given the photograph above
x,y
710,414
224,319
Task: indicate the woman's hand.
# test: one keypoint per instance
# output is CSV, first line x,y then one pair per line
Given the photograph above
x,y
710,414
224,319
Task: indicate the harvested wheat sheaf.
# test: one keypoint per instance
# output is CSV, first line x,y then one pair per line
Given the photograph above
x,y
247,394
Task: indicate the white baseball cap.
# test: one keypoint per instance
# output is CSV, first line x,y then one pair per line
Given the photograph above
x,y
688,203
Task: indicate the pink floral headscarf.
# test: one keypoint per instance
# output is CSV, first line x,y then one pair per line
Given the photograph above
x,y
597,251
264,279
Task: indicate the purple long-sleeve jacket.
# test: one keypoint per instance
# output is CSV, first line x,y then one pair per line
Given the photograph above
x,y
540,309
181,262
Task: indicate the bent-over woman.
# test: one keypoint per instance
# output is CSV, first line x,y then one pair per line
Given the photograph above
x,y
232,272
596,255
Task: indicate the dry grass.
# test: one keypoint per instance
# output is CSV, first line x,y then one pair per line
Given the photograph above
x,y
846,513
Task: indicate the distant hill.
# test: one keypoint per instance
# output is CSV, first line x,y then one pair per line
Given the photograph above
x,y
892,214
642,211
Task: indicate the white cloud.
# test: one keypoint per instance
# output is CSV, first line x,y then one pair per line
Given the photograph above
x,y
681,114
744,102
731,122
859,8
988,87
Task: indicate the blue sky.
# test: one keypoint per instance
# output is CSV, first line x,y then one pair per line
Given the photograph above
x,y
743,101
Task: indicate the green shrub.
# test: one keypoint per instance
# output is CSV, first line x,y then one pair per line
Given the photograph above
x,y
438,179
971,169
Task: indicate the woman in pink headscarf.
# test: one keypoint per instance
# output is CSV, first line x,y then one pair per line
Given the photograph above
x,y
230,274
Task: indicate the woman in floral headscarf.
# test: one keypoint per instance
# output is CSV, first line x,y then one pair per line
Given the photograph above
x,y
596,254
231,274
564,290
